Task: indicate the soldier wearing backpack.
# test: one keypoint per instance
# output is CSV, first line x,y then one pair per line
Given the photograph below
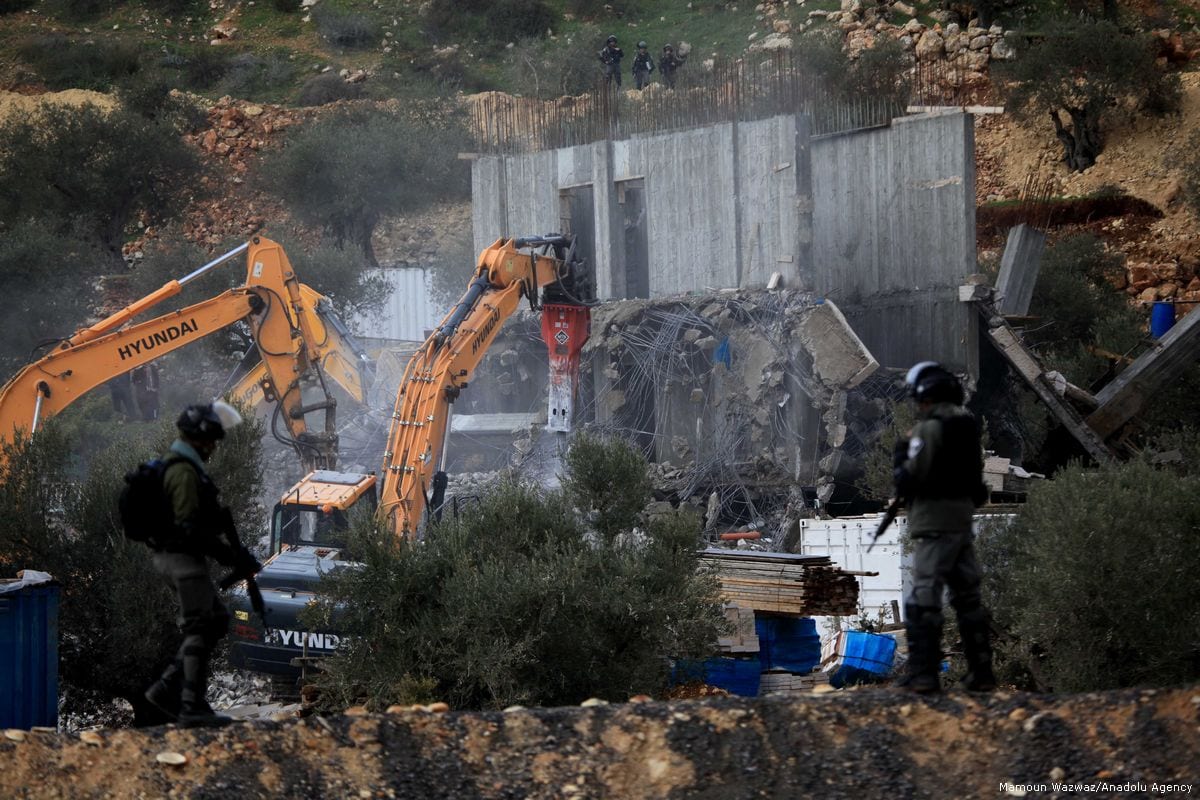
x,y
199,527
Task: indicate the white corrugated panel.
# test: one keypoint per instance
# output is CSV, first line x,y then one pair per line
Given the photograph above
x,y
846,539
408,313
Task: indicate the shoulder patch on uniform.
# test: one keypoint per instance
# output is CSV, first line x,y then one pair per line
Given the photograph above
x,y
915,444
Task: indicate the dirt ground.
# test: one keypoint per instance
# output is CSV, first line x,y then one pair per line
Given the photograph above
x,y
861,744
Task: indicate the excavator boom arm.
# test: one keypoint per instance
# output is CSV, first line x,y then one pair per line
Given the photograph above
x,y
272,302
444,365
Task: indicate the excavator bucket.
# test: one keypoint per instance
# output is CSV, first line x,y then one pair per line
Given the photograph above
x,y
565,329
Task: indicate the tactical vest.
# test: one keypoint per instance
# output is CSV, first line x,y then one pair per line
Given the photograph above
x,y
957,466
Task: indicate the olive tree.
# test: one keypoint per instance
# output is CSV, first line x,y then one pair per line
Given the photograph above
x,y
346,172
1094,582
519,600
1081,73
85,165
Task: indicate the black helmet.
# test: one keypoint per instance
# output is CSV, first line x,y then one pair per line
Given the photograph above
x,y
668,47
642,45
930,381
612,39
209,421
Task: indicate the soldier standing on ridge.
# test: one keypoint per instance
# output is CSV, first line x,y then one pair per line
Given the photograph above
x,y
643,65
939,473
668,63
611,57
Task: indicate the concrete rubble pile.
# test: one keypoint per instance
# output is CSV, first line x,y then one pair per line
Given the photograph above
x,y
726,393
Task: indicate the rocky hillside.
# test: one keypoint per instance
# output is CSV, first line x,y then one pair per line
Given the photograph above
x,y
862,744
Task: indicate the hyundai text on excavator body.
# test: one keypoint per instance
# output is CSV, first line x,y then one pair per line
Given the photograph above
x,y
297,337
309,529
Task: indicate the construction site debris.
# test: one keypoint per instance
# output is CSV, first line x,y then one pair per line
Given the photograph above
x,y
784,583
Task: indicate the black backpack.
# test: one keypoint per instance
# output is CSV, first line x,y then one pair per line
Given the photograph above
x,y
146,512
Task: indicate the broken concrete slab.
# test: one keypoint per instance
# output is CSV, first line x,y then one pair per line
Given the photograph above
x,y
1019,270
839,357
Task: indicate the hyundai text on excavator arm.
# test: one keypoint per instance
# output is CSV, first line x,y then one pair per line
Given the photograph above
x,y
309,530
296,338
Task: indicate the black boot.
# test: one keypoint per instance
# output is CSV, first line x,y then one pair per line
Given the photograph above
x,y
923,627
976,638
164,693
194,710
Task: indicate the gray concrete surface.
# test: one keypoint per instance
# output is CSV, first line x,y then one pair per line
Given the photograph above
x,y
882,221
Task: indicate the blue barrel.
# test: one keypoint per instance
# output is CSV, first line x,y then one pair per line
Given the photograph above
x,y
1162,318
29,656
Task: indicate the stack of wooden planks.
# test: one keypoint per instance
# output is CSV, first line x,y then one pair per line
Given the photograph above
x,y
781,681
785,583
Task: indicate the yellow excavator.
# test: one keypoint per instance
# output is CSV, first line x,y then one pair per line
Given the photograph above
x,y
298,340
309,528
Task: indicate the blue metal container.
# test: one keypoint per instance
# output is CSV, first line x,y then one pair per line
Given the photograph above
x,y
1162,319
29,656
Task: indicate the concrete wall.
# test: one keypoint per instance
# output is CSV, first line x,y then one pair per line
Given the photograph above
x,y
882,221
727,205
894,234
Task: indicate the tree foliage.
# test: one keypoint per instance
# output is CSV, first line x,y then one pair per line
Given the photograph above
x,y
607,481
1076,302
876,483
517,601
1088,71
46,280
117,615
85,165
1094,582
879,73
348,171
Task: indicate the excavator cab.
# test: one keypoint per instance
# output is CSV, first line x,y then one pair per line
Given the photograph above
x,y
317,511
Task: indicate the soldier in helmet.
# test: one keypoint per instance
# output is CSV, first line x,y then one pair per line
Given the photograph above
x,y
611,57
202,528
939,473
668,62
643,65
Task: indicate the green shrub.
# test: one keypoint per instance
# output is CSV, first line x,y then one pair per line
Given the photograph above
x,y
876,483
65,63
515,601
345,28
328,88
607,481
101,168
13,6
1075,299
43,305
599,10
254,77
500,21
85,9
199,68
286,6
1095,580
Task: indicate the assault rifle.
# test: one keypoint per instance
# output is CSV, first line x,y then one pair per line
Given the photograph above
x,y
245,566
889,516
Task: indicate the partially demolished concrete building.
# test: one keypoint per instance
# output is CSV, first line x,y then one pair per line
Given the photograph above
x,y
766,274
